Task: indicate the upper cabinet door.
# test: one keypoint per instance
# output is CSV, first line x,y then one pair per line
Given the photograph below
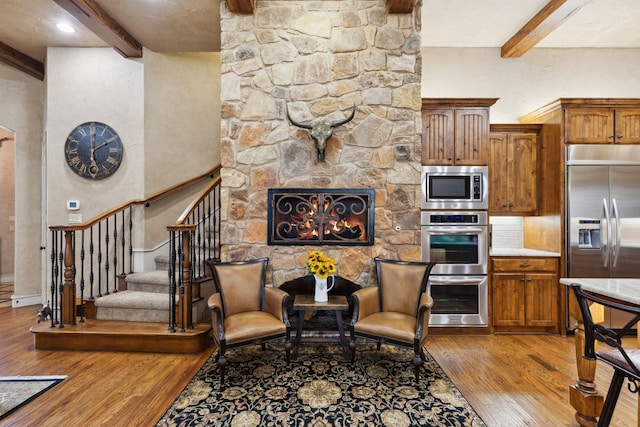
x,y
437,136
627,126
498,177
471,136
522,171
589,126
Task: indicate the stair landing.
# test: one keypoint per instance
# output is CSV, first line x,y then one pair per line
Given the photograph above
x,y
114,335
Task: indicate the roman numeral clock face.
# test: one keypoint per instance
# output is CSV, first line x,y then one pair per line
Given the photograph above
x,y
93,150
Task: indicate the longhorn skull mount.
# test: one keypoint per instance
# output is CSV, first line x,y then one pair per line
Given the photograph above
x,y
321,130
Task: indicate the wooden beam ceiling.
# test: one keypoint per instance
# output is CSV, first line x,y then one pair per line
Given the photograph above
x,y
21,61
92,16
402,6
247,7
542,24
241,7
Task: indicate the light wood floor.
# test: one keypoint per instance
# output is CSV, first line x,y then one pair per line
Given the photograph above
x,y
510,380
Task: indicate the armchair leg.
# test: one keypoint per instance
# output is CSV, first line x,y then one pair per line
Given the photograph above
x,y
287,347
417,364
352,350
222,361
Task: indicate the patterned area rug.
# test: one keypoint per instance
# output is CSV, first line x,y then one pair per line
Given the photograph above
x,y
321,389
16,391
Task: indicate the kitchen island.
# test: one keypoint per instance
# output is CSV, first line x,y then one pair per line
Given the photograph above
x,y
583,395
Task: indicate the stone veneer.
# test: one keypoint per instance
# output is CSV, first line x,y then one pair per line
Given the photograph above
x,y
320,58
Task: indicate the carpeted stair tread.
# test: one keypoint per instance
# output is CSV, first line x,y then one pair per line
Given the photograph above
x,y
149,281
133,306
157,277
135,299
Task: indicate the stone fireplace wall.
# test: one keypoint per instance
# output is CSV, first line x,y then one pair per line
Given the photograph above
x,y
319,59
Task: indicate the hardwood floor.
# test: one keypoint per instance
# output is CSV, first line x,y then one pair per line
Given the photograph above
x,y
510,380
6,290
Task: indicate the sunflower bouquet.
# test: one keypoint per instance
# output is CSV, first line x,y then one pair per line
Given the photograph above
x,y
320,265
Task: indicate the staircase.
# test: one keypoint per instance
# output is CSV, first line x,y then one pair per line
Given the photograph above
x,y
147,298
135,319
96,258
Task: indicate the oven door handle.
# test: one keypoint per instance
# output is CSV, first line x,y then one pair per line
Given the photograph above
x,y
470,281
456,230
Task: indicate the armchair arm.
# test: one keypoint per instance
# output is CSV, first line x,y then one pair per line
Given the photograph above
x,y
217,317
365,302
422,318
275,302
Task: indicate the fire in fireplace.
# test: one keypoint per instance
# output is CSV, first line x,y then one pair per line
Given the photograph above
x,y
302,216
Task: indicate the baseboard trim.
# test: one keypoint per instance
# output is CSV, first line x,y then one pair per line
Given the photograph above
x,y
25,300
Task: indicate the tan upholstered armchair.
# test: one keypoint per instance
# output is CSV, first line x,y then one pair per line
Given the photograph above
x,y
397,310
244,311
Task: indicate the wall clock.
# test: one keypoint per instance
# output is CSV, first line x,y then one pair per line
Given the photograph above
x,y
93,150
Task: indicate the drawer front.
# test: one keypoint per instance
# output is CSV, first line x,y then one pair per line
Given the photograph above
x,y
524,264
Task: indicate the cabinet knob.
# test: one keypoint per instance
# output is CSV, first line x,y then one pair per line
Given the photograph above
x,y
526,264
610,136
620,136
458,158
522,279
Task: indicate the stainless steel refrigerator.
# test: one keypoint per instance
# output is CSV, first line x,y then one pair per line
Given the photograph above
x,y
603,214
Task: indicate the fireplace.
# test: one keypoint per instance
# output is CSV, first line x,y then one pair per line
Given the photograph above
x,y
303,216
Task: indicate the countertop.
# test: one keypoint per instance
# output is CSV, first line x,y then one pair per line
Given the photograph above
x,y
623,289
524,252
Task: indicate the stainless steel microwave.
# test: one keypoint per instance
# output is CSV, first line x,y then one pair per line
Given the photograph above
x,y
455,187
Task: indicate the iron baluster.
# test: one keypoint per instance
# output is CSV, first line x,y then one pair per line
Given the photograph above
x,y
82,279
99,269
54,275
91,277
106,255
172,281
130,240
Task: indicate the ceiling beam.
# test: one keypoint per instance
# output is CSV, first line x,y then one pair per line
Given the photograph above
x,y
402,6
22,62
241,7
542,24
92,16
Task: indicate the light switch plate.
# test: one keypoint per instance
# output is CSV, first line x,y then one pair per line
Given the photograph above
x,y
75,218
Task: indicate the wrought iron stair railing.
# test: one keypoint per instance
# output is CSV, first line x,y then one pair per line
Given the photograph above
x,y
90,260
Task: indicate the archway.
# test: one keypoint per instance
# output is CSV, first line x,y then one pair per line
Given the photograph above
x,y
7,215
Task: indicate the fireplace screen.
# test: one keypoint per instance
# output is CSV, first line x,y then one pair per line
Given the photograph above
x,y
299,216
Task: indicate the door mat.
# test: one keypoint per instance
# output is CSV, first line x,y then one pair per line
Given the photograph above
x,y
17,391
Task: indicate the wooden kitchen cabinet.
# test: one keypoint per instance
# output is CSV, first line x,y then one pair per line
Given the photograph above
x,y
525,295
513,165
597,125
455,131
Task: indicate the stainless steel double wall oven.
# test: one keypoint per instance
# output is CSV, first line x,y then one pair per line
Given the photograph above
x,y
454,225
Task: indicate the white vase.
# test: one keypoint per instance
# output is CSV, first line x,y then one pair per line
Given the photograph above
x,y
322,289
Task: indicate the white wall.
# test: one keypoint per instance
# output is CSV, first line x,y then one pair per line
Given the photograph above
x,y
527,83
93,85
21,111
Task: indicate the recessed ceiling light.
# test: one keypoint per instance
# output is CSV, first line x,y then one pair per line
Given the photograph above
x,y
63,26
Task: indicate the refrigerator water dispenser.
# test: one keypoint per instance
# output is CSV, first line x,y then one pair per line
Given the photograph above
x,y
588,235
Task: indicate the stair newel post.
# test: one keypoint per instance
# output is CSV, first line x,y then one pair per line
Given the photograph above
x,y
68,301
186,292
